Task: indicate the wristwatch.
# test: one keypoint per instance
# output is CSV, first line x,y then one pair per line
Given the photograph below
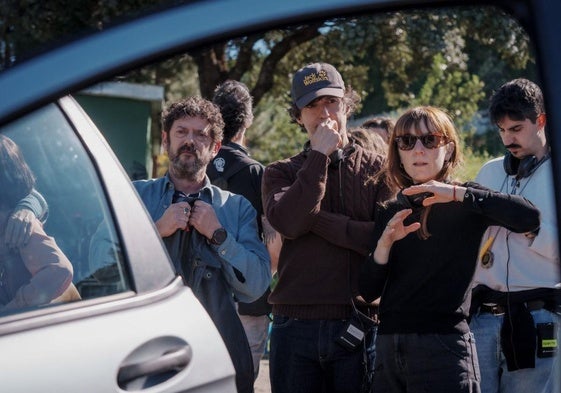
x,y
219,236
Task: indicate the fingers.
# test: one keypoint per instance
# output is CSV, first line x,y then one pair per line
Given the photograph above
x,y
180,214
279,195
412,228
200,216
400,216
436,192
326,139
430,186
330,124
395,228
184,215
203,218
18,228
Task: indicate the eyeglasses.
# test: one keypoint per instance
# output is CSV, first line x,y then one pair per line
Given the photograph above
x,y
430,141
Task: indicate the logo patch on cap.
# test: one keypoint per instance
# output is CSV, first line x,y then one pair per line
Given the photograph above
x,y
317,77
316,80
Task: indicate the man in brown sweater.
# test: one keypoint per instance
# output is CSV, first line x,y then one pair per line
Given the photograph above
x,y
320,200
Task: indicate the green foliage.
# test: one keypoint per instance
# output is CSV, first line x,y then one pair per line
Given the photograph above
x,y
457,91
472,164
272,137
448,57
28,25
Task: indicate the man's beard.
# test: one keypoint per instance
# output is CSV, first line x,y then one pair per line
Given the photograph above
x,y
184,169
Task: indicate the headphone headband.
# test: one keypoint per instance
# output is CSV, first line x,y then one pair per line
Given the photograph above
x,y
521,168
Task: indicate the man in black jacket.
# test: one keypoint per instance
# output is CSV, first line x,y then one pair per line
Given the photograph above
x,y
234,170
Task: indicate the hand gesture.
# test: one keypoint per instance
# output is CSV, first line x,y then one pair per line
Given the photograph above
x,y
203,219
18,228
395,230
326,139
442,192
175,217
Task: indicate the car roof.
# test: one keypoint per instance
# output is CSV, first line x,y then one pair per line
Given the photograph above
x,y
77,64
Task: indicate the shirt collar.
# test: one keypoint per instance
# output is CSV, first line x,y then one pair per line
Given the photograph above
x,y
236,146
205,190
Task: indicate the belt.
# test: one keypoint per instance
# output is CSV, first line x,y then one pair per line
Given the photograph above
x,y
498,309
373,312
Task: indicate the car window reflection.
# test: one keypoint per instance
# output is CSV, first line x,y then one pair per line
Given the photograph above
x,y
78,219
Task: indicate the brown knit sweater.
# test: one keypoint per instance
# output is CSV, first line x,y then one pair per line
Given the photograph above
x,y
326,218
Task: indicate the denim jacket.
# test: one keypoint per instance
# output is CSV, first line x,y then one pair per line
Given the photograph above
x,y
242,258
239,267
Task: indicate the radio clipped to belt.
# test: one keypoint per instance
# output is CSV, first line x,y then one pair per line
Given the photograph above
x,y
355,330
547,339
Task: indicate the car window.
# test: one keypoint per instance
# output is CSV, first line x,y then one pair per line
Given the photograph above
x,y
79,219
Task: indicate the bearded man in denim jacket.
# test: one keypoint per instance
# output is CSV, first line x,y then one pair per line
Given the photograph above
x,y
211,234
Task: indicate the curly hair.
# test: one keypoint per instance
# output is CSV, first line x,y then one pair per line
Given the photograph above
x,y
195,106
236,105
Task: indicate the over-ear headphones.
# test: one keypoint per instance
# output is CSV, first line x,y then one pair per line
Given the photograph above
x,y
520,167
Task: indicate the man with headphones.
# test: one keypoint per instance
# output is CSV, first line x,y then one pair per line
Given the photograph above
x,y
320,200
516,284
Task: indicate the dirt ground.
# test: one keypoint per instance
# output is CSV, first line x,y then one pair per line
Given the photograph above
x,y
262,384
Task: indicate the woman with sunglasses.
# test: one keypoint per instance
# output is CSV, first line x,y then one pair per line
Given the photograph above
x,y
425,256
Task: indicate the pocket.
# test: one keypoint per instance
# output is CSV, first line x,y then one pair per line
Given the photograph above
x,y
280,321
472,348
457,344
463,347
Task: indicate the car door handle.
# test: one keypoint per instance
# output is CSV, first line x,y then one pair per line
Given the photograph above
x,y
173,360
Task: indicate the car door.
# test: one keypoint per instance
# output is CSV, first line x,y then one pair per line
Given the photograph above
x,y
134,325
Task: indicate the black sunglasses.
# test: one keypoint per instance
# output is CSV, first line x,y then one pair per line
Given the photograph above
x,y
430,141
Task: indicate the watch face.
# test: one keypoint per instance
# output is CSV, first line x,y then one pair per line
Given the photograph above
x,y
219,236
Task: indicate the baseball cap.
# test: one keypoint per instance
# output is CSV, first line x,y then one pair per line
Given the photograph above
x,y
316,80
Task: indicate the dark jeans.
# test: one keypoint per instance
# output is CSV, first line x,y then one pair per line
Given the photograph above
x,y
435,363
305,358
